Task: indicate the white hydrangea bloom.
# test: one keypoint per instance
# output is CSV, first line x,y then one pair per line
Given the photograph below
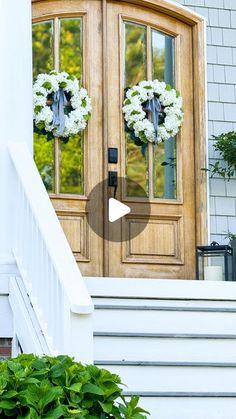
x,y
137,119
75,121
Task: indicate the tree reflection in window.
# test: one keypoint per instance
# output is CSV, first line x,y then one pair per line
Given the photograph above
x,y
164,155
135,70
139,164
67,45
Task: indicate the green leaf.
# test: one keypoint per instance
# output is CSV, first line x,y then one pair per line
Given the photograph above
x,y
135,93
87,117
50,395
92,388
38,108
14,366
62,85
56,413
3,382
7,404
39,364
47,85
10,394
127,102
31,380
76,387
84,103
107,407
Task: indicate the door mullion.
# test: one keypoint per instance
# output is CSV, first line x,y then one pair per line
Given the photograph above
x,y
150,146
57,67
105,133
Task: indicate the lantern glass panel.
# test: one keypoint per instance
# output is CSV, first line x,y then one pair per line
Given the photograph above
x,y
214,263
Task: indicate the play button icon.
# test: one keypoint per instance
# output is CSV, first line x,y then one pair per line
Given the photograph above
x,y
114,216
116,210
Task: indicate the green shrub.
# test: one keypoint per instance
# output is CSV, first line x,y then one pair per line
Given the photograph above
x,y
226,145
35,387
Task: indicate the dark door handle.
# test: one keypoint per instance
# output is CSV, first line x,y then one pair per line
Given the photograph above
x,y
113,181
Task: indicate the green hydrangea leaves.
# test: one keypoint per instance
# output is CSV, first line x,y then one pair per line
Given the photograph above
x,y
57,387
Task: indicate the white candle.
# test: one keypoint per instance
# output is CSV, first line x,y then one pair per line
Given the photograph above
x,y
213,273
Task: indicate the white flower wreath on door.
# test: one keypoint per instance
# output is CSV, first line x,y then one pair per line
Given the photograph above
x,y
165,105
61,107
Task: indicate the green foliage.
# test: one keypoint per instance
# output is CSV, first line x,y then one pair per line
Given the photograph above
x,y
226,145
135,54
230,236
57,387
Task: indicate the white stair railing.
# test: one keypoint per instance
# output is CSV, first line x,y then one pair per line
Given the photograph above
x,y
47,266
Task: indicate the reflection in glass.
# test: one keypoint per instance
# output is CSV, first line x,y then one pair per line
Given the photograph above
x,y
162,57
135,54
44,157
71,46
136,168
42,34
164,162
72,165
164,155
135,70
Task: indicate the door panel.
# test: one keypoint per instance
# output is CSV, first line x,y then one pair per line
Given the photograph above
x,y
160,251
110,45
68,31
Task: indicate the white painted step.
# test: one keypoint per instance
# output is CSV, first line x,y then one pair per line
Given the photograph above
x,y
190,407
172,342
164,349
140,379
164,319
162,289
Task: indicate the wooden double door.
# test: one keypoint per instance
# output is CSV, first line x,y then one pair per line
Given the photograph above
x,y
110,45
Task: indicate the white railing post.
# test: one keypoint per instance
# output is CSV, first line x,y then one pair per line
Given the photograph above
x,y
81,338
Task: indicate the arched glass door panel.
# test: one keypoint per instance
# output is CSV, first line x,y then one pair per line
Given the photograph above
x,y
57,44
149,53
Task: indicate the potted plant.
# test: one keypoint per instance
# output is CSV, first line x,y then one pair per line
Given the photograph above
x,y
225,144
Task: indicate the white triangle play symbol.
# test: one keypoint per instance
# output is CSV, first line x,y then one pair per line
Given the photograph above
x,y
117,210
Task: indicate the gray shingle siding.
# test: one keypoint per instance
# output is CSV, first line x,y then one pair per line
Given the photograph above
x,y
221,77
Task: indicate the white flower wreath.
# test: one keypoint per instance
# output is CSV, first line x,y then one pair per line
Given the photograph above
x,y
61,107
169,115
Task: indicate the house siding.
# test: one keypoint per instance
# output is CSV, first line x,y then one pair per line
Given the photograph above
x,y
221,82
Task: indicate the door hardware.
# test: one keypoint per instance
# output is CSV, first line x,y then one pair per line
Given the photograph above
x,y
112,155
113,181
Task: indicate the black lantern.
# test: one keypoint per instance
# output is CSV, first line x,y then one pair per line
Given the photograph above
x,y
214,262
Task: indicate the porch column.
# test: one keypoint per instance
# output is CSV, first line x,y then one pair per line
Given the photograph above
x,y
15,103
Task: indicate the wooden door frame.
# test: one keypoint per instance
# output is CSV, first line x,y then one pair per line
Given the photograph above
x,y
198,26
